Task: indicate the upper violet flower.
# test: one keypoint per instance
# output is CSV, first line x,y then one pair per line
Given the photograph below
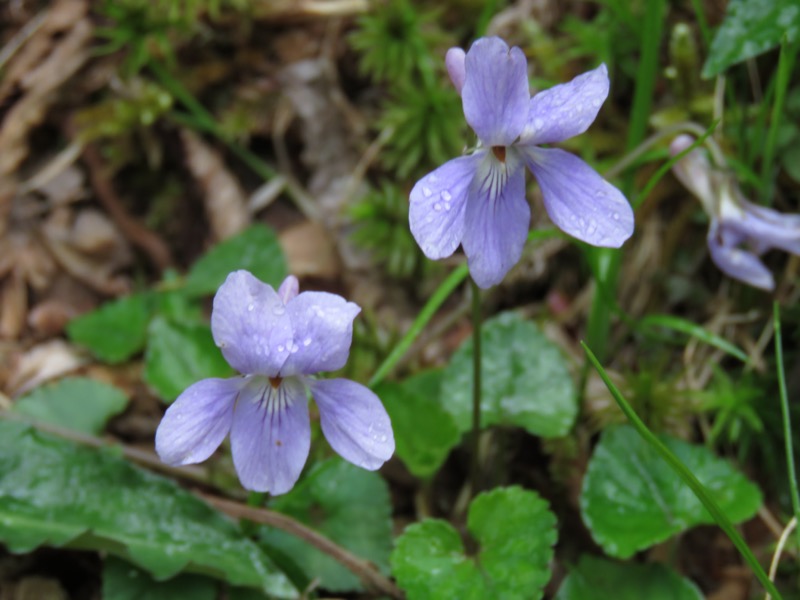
x,y
479,201
740,231
277,340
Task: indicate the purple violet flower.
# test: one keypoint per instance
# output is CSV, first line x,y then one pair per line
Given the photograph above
x,y
740,231
277,340
479,201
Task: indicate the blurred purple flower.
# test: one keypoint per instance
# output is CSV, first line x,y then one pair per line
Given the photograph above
x,y
479,201
740,231
276,339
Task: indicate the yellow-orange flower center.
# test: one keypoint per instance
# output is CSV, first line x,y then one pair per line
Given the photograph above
x,y
500,153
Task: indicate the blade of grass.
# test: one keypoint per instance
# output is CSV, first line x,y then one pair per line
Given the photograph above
x,y
687,476
696,331
787,422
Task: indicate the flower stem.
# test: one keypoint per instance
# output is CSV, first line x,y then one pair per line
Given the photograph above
x,y
787,423
477,320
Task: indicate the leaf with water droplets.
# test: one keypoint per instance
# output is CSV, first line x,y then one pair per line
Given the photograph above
x,y
632,499
347,504
180,354
256,249
525,380
516,532
56,493
750,28
602,579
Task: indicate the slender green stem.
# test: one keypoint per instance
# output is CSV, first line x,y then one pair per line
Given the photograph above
x,y
687,476
787,422
441,294
438,298
477,321
702,23
782,77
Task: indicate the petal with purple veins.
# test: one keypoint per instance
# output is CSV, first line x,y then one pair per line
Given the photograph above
x,y
495,95
497,218
566,110
354,422
436,212
578,200
736,262
197,422
250,325
323,331
270,435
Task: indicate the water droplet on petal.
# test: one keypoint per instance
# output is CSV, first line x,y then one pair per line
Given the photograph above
x,y
281,348
447,206
445,196
433,178
382,438
426,191
278,309
615,216
250,306
307,341
437,206
538,123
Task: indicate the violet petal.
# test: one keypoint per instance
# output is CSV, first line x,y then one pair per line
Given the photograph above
x,y
455,61
578,200
736,262
436,212
270,435
495,94
250,325
197,422
354,422
496,223
566,110
323,331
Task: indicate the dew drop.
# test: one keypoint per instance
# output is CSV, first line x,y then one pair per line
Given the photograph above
x,y
382,438
294,348
447,206
281,348
615,216
433,178
307,341
446,196
437,206
538,123
426,191
250,307
278,309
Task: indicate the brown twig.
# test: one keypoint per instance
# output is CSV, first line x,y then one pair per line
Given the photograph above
x,y
365,571
141,237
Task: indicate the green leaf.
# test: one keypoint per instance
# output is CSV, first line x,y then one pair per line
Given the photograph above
x,y
57,493
77,403
115,331
750,28
601,579
424,432
525,380
632,499
180,354
122,581
516,532
696,331
345,503
256,249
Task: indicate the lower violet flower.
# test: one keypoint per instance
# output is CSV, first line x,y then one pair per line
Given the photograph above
x,y
479,201
740,231
277,340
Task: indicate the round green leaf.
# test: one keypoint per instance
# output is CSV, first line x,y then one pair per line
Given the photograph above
x,y
424,432
516,532
632,499
524,380
601,579
347,504
77,403
115,331
55,492
256,249
179,354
